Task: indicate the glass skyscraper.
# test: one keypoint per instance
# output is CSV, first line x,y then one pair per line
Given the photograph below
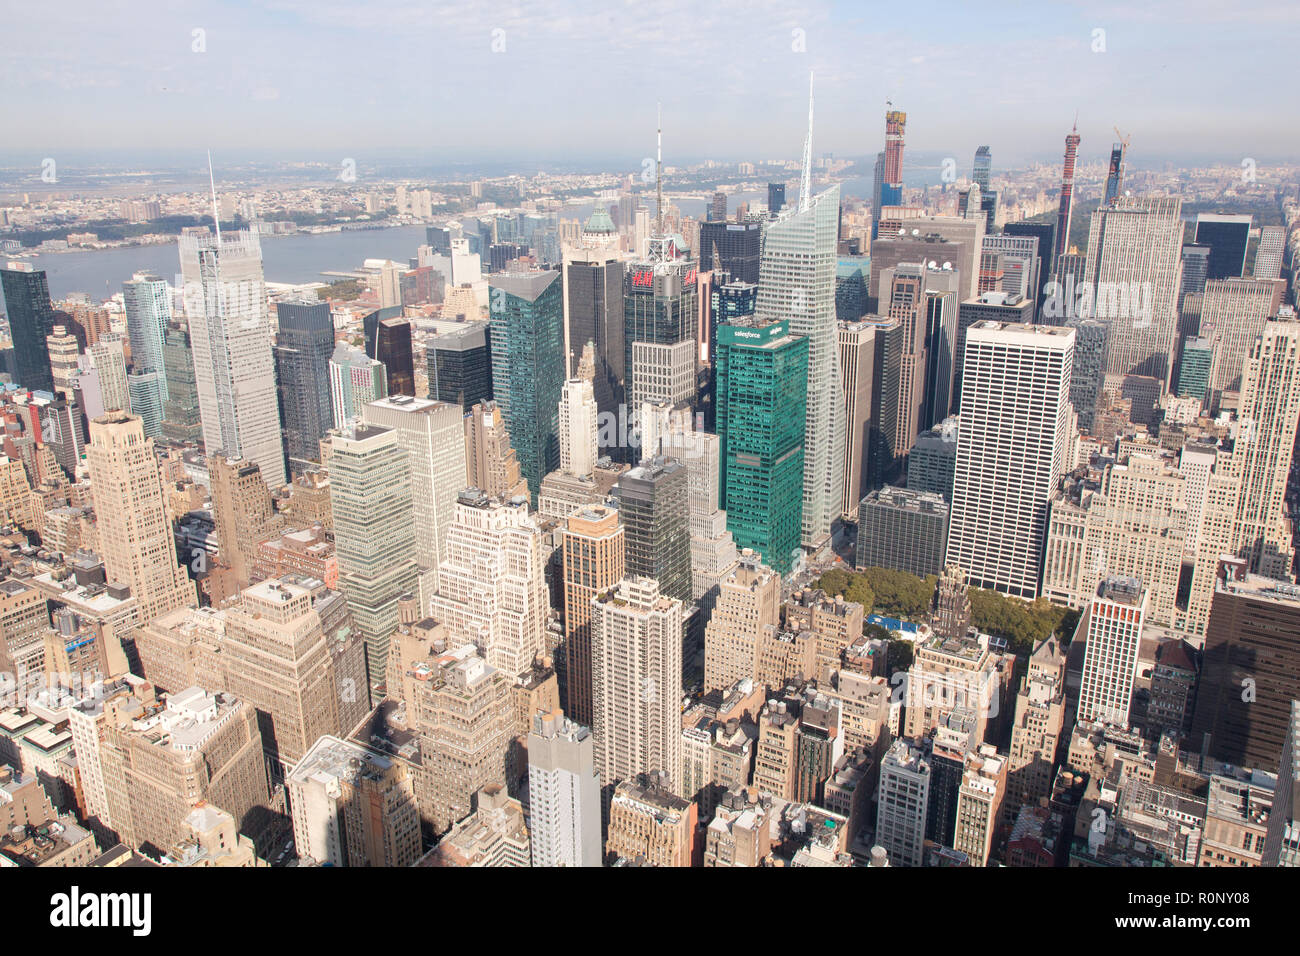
x,y
181,410
528,373
797,282
148,313
31,319
761,404
303,348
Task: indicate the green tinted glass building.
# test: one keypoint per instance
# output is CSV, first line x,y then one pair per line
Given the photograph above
x,y
528,366
762,398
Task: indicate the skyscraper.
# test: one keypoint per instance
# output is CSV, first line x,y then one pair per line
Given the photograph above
x,y
1133,268
230,335
1115,174
594,558
490,461
243,513
1227,236
1269,409
1012,447
578,434
181,410
660,308
275,654
459,365
861,352
388,341
654,508
563,793
374,531
718,207
593,303
1044,233
109,362
1113,625
303,347
797,282
1268,256
433,435
1251,670
761,405
492,586
528,366
981,168
148,304
636,666
1088,376
1233,314
903,804
775,198
888,190
736,246
1067,192
31,319
136,538
355,379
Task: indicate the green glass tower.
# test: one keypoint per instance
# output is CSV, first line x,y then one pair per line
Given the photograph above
x,y
762,401
528,366
1194,372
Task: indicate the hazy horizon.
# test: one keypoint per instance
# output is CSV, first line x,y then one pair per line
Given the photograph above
x,y
577,83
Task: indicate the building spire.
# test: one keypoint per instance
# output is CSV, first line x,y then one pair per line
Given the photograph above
x,y
216,219
659,163
805,183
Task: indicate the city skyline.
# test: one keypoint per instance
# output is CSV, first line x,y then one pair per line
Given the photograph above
x,y
613,502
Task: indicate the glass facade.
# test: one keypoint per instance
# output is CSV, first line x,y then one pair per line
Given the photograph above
x,y
528,373
303,348
31,319
761,407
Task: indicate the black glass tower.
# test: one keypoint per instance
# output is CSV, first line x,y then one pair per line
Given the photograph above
x,y
738,248
303,348
388,340
31,319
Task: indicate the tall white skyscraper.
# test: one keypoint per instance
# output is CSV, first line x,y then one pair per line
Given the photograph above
x,y
1013,445
230,336
433,434
563,793
1110,657
492,584
636,681
578,434
796,281
1134,268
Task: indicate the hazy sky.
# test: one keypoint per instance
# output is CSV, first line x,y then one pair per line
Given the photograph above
x,y
1194,79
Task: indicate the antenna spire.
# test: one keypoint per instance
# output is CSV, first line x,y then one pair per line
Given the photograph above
x,y
659,162
216,219
805,183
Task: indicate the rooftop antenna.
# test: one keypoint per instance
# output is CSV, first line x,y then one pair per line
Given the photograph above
x,y
659,161
216,219
805,183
